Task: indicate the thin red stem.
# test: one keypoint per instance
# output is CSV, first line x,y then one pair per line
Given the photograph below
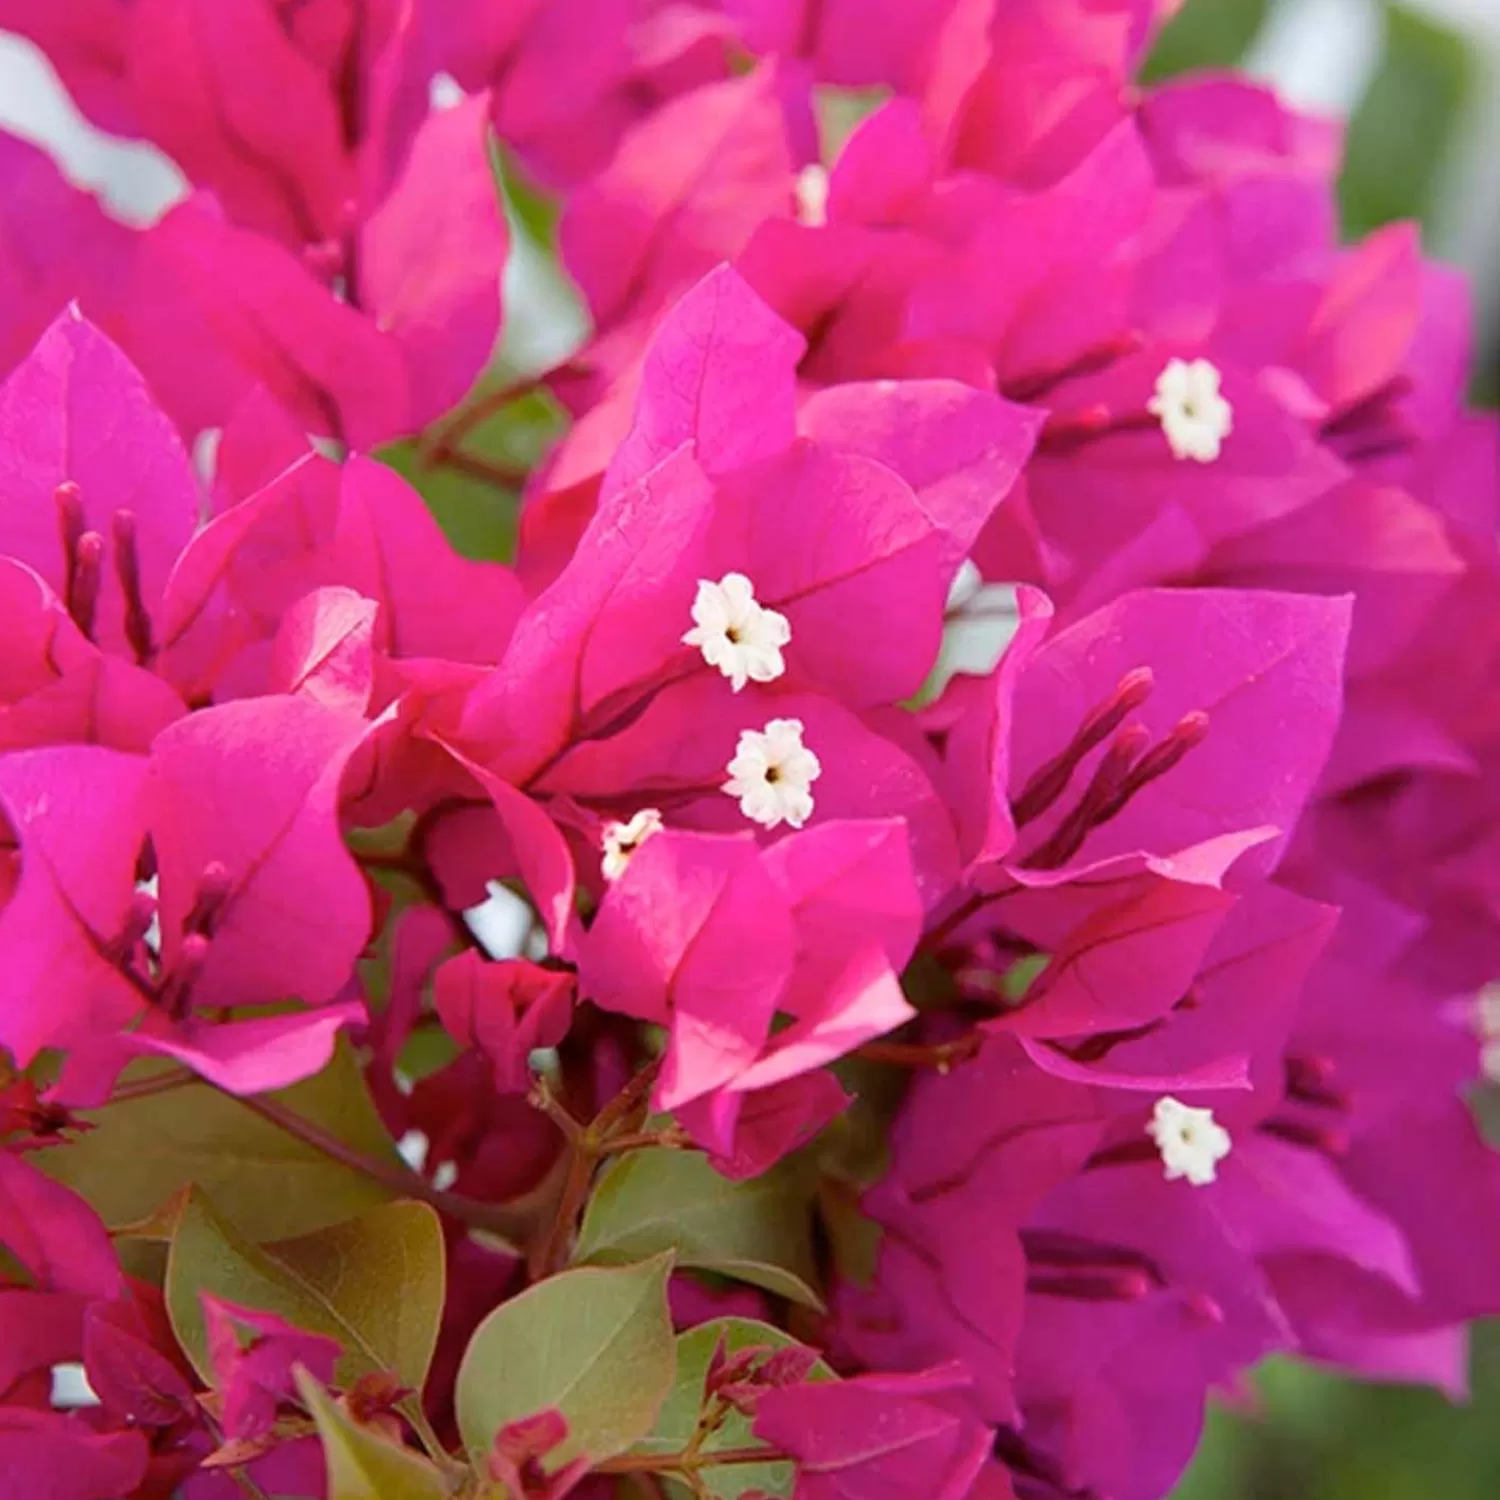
x,y
497,476
939,1055
445,440
160,1083
588,1146
686,1463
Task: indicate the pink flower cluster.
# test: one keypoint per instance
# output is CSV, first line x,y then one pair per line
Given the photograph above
x,y
1118,983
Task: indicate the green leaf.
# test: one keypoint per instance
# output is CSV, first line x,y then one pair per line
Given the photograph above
x,y
1404,124
536,211
839,111
144,1150
680,1411
1205,34
375,1284
758,1231
362,1465
596,1344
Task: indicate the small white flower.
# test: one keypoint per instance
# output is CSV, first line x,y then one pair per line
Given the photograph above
x,y
1194,416
621,840
152,935
1190,1140
812,195
1488,1018
741,638
771,773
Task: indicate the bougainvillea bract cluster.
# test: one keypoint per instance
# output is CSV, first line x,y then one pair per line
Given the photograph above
x,y
932,911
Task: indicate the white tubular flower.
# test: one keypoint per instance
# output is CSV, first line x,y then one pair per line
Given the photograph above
x,y
1191,1141
621,840
812,195
771,773
741,638
1194,416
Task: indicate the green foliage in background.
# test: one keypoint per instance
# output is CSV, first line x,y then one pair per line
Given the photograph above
x,y
1401,131
1405,124
1205,34
1322,1438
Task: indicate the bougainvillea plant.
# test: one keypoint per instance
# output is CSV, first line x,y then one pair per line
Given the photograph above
x,y
927,915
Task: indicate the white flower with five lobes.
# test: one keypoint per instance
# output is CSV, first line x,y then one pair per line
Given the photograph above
x,y
1193,414
772,773
741,638
1191,1141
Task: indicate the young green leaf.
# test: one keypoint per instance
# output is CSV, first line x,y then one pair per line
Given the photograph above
x,y
374,1283
362,1465
680,1411
758,1231
596,1344
141,1151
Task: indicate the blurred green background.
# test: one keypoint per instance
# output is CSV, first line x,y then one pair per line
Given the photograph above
x,y
1420,85
1418,82
1320,1438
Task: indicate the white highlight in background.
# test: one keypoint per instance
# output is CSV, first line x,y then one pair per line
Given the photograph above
x,y
133,180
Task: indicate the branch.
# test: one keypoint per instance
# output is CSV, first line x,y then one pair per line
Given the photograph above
x,y
687,1463
939,1055
497,476
158,1083
550,1253
511,1223
588,1145
674,1138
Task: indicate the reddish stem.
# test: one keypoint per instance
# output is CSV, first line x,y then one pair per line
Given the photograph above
x,y
588,1146
664,1140
160,1083
504,1219
686,1463
497,476
447,439
939,1055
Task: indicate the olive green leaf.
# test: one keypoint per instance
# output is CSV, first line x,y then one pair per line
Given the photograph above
x,y
142,1151
374,1283
758,1231
596,1344
675,1426
362,1465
